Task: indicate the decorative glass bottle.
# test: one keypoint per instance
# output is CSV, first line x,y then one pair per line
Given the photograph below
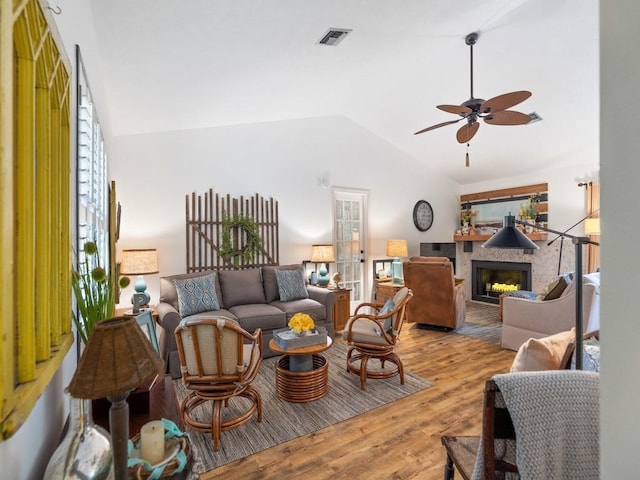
x,y
85,452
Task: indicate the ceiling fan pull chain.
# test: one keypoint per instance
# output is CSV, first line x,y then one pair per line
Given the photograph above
x,y
466,163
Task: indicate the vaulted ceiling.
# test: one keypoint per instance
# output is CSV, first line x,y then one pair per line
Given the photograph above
x,y
183,64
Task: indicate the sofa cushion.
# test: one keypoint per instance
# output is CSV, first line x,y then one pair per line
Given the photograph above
x,y
527,294
197,294
241,287
291,285
271,291
168,293
266,317
542,353
554,289
304,305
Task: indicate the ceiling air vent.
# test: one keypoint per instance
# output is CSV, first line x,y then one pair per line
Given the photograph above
x,y
334,36
534,117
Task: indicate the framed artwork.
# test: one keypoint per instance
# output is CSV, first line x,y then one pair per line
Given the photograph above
x,y
147,324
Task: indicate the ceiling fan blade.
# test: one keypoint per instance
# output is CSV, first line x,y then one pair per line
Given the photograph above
x,y
457,109
502,102
466,132
433,127
507,117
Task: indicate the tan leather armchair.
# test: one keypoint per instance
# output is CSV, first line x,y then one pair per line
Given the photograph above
x,y
437,300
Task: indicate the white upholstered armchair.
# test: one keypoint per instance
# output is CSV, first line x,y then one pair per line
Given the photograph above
x,y
523,319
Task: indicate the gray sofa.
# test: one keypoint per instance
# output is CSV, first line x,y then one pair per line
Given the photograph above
x,y
251,296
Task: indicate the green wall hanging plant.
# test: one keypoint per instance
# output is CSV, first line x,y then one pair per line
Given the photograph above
x,y
245,227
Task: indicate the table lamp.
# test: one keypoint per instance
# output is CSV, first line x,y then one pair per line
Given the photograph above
x,y
323,254
397,249
117,358
141,261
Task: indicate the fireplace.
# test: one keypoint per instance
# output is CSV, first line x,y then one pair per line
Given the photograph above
x,y
489,279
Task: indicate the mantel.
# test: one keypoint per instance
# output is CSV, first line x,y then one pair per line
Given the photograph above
x,y
536,237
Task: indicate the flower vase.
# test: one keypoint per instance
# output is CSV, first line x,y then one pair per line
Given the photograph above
x,y
85,452
465,228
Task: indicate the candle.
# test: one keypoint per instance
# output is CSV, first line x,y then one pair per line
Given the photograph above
x,y
152,442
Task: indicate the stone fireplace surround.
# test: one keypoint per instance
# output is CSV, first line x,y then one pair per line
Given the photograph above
x,y
544,261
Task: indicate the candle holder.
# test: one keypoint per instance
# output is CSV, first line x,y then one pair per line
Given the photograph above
x,y
177,455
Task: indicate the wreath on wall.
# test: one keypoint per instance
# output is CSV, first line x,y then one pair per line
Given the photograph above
x,y
244,225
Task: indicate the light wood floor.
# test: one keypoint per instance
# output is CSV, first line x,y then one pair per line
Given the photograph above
x,y
400,440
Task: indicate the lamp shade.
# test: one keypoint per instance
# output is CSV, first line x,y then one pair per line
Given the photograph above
x,y
397,248
510,237
117,358
141,261
322,254
592,226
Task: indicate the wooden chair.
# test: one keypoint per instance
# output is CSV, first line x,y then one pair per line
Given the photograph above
x,y
496,425
218,361
498,435
375,335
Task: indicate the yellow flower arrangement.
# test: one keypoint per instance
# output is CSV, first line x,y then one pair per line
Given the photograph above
x,y
466,215
301,322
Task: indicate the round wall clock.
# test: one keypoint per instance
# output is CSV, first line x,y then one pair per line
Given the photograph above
x,y
423,215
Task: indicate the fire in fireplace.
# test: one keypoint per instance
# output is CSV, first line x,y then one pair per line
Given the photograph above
x,y
490,279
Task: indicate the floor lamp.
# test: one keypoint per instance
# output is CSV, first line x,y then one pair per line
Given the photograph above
x,y
510,237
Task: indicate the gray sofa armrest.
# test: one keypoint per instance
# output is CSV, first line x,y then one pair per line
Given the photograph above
x,y
168,319
324,296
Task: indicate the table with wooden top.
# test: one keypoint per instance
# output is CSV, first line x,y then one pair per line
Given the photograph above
x,y
302,374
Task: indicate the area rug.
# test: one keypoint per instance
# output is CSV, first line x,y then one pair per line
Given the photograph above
x,y
482,321
283,421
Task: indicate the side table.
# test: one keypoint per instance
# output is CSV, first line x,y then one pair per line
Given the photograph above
x,y
302,386
342,308
128,312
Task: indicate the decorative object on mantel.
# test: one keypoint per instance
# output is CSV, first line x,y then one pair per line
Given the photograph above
x,y
511,237
117,358
323,254
139,261
397,249
466,218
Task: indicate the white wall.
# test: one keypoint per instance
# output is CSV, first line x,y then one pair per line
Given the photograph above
x,y
283,160
620,389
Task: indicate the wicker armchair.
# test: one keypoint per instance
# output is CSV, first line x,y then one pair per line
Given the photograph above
x,y
218,360
375,335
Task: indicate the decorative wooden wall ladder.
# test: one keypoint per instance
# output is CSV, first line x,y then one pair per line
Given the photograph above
x,y
205,222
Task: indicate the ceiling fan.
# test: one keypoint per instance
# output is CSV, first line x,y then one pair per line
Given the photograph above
x,y
493,111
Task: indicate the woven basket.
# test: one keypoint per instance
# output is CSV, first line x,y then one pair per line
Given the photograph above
x,y
138,471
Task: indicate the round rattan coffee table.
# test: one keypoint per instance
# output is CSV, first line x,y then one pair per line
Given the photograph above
x,y
302,374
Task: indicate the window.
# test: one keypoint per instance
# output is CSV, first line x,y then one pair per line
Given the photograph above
x,y
35,316
93,196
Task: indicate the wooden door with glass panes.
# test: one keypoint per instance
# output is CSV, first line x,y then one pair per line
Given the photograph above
x,y
350,239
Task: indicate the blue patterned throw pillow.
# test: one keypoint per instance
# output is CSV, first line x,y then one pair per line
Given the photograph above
x,y
291,285
196,294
